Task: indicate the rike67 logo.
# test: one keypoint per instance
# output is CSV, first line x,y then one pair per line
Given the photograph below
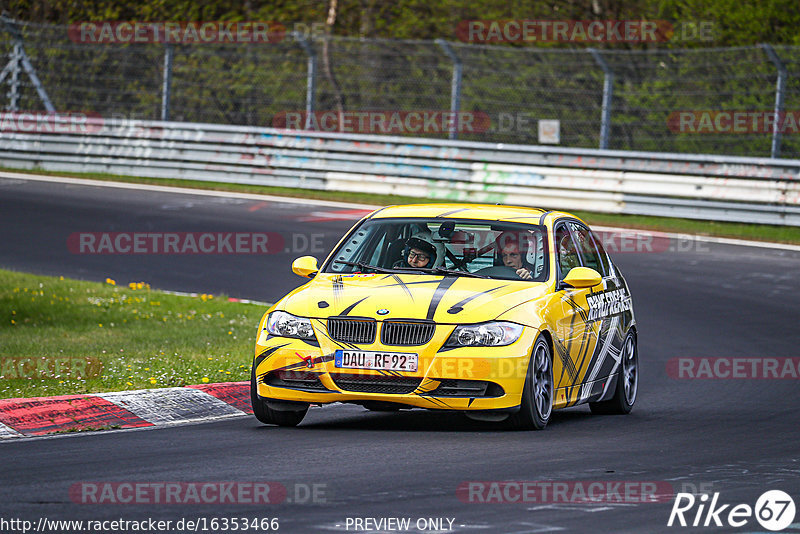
x,y
774,510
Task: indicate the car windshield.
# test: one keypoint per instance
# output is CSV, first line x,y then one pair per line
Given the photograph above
x,y
487,249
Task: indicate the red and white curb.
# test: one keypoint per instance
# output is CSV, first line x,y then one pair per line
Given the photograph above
x,y
125,409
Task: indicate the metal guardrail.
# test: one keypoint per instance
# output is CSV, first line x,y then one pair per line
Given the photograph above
x,y
759,190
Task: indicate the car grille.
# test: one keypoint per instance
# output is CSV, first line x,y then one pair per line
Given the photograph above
x,y
300,380
397,385
466,388
399,333
352,330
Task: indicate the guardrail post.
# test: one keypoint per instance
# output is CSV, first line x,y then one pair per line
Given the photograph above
x,y
13,91
780,89
19,57
167,87
311,76
455,86
608,91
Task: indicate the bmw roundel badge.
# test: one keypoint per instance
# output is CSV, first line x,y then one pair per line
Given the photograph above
x,y
383,311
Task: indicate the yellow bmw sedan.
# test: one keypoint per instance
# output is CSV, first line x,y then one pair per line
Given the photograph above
x,y
504,313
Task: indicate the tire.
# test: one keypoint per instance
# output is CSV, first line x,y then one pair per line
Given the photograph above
x,y
537,394
267,415
627,382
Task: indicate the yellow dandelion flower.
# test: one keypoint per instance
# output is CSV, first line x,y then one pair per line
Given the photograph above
x,y
129,383
109,281
152,380
205,380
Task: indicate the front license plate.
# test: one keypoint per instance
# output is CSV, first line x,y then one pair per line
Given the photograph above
x,y
384,361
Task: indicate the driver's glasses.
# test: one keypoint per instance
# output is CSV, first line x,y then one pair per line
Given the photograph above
x,y
414,256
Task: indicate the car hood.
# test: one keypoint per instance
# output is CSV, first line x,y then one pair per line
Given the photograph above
x,y
444,299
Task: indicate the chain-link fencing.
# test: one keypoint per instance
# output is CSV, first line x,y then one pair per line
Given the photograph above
x,y
671,100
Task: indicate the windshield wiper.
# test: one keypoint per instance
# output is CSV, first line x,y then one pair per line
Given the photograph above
x,y
363,265
442,270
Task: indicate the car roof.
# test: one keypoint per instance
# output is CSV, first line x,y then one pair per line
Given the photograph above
x,y
485,212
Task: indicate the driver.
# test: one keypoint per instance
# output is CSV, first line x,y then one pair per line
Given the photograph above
x,y
513,250
421,252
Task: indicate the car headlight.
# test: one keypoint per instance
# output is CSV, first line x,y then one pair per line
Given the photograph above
x,y
285,324
494,334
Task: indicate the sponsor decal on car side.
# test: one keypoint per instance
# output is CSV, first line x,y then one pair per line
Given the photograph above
x,y
608,303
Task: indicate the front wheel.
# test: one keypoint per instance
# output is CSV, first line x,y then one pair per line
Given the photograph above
x,y
267,415
627,382
537,395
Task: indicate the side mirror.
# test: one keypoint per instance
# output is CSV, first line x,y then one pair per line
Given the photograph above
x,y
305,266
581,277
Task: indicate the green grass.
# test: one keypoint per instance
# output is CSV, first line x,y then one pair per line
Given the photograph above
x,y
757,232
134,338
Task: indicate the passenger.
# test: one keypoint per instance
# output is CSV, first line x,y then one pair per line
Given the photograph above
x,y
513,251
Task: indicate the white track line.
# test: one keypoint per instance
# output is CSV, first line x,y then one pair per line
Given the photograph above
x,y
351,205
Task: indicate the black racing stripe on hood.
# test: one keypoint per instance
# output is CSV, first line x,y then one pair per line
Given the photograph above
x,y
444,285
411,283
459,306
353,305
403,285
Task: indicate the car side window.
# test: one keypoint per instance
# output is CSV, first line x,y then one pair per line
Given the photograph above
x,y
603,256
566,250
587,247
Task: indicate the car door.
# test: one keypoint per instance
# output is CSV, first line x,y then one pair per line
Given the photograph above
x,y
570,338
608,305
584,340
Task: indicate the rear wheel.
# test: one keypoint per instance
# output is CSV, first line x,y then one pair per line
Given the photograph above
x,y
537,395
627,381
270,416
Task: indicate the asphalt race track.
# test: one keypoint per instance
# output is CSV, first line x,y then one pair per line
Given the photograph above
x,y
737,437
